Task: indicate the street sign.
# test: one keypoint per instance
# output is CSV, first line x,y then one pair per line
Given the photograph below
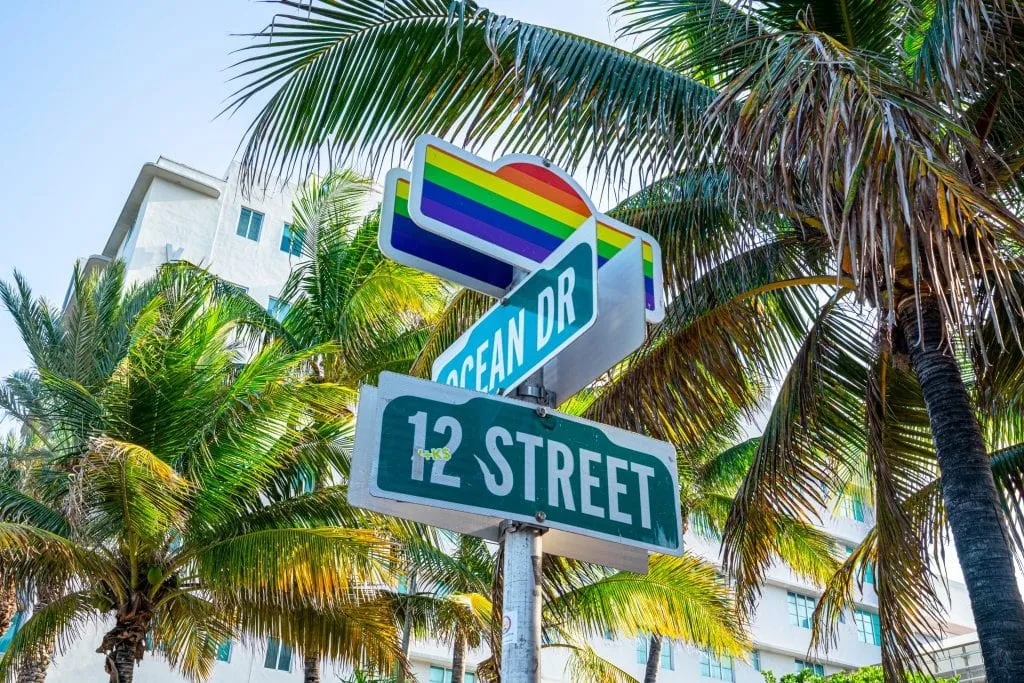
x,y
543,315
489,458
405,242
518,209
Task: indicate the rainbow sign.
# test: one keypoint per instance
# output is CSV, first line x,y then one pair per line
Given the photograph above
x,y
516,211
405,242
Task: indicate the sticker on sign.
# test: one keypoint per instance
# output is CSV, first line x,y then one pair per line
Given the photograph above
x,y
500,459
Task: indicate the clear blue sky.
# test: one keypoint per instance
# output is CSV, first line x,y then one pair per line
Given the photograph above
x,y
92,90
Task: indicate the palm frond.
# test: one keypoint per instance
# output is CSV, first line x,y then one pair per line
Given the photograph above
x,y
465,72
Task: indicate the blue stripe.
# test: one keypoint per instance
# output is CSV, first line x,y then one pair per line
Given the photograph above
x,y
409,238
486,214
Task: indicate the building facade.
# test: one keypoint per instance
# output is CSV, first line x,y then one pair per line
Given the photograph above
x,y
174,212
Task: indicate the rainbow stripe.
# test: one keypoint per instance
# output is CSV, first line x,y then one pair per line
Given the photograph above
x,y
408,238
522,207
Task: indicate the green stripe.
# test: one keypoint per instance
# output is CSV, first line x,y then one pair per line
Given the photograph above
x,y
497,202
509,207
401,207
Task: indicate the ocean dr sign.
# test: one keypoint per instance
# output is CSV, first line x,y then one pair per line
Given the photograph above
x,y
540,317
498,458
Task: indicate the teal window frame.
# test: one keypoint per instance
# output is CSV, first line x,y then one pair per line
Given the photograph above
x,y
291,240
439,674
717,668
224,651
668,657
869,627
250,224
851,506
278,308
755,660
801,608
801,665
279,656
641,649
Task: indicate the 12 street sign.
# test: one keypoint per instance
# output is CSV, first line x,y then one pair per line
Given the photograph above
x,y
492,458
543,315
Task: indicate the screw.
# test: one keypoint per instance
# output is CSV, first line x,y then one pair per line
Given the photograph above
x,y
542,411
540,516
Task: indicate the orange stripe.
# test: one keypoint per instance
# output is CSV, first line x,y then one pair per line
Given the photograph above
x,y
539,187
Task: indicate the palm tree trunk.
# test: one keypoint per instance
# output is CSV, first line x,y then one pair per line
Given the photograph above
x,y
8,601
124,664
311,668
37,659
653,659
406,634
459,658
969,493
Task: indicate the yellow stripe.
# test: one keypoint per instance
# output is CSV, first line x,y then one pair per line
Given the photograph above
x,y
619,239
402,189
489,181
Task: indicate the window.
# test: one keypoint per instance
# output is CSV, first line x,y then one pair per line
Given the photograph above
x,y
668,662
719,668
869,569
277,308
440,675
801,607
818,669
224,651
755,660
851,507
609,634
5,639
279,655
869,628
291,240
250,224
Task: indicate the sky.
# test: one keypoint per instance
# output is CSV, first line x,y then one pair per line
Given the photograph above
x,y
93,90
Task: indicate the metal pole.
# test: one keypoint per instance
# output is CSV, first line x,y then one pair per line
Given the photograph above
x,y
521,596
520,627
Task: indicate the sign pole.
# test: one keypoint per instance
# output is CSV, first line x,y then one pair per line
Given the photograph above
x,y
522,577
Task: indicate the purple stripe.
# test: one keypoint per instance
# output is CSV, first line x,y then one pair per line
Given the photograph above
x,y
477,228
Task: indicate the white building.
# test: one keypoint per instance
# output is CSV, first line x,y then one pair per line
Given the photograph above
x,y
176,212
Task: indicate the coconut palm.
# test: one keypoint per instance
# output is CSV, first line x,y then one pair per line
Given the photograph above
x,y
881,133
166,496
372,314
375,312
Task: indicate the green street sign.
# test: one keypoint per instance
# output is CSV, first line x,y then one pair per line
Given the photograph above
x,y
484,457
536,320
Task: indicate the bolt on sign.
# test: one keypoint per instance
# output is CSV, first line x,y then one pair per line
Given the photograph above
x,y
491,458
543,315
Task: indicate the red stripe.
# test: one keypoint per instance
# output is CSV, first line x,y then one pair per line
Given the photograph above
x,y
545,183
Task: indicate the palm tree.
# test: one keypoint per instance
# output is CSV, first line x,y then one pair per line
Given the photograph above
x,y
373,313
80,346
882,134
184,516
